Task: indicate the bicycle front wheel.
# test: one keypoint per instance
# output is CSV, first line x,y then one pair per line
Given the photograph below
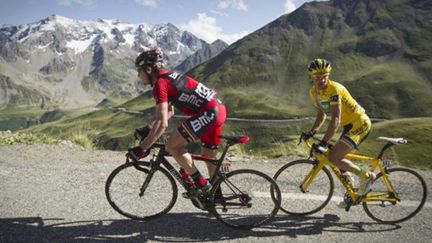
x,y
403,203
245,199
296,201
139,192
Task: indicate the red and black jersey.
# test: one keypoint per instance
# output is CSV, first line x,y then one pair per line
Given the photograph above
x,y
183,92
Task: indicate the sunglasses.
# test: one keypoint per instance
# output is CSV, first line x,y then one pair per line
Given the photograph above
x,y
320,76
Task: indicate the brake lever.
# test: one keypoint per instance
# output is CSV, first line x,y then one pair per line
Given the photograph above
x,y
300,139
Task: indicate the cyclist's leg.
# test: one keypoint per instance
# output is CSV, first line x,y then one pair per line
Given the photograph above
x,y
176,145
337,154
209,153
356,133
210,137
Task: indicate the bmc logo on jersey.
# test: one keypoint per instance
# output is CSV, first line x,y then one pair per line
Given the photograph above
x,y
190,99
202,121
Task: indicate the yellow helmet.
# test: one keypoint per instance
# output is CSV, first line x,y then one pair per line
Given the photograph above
x,y
319,66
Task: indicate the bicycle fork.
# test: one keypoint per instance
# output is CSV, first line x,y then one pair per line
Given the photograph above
x,y
146,182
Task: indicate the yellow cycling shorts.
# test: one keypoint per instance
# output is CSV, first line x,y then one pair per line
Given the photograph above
x,y
356,132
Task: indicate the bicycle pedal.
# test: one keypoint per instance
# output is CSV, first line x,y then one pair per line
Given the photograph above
x,y
347,208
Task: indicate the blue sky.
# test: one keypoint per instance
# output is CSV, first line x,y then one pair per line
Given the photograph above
x,y
228,20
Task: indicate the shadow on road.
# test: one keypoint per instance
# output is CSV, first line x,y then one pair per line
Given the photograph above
x,y
309,225
180,227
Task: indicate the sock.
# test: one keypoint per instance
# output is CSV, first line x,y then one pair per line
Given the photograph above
x,y
183,173
198,179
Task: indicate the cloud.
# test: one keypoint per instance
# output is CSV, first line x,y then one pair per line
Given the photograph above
x,y
147,3
70,2
219,13
206,28
289,6
236,4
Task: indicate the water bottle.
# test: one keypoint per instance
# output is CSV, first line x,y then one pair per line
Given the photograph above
x,y
350,179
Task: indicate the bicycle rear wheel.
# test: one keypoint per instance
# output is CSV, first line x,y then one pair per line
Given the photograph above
x,y
294,201
124,185
246,199
410,189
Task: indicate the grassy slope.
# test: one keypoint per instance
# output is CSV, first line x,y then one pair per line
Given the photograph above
x,y
22,118
418,132
18,118
106,128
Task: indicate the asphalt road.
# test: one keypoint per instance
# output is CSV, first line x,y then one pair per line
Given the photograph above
x,y
55,193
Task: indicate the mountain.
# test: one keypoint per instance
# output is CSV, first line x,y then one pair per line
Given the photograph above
x,y
61,62
207,52
380,50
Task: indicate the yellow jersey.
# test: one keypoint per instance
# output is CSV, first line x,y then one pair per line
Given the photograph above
x,y
336,93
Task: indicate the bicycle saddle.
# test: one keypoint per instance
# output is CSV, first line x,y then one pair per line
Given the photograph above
x,y
236,139
396,141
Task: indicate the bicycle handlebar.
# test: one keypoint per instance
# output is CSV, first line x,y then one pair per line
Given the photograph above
x,y
310,143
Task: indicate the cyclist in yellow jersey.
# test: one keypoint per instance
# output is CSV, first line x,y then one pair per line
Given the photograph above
x,y
334,99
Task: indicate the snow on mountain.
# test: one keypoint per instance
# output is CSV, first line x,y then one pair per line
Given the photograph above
x,y
64,62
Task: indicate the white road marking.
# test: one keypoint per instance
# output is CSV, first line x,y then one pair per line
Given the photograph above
x,y
302,196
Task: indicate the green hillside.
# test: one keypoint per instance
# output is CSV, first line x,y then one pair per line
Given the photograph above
x,y
380,50
105,128
418,132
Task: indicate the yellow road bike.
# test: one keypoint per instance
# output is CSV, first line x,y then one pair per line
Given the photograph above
x,y
307,186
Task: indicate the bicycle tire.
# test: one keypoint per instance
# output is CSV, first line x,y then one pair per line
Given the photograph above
x,y
412,192
249,199
294,201
124,184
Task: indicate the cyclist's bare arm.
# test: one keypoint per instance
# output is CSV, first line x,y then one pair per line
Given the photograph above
x,y
334,122
159,125
319,120
171,113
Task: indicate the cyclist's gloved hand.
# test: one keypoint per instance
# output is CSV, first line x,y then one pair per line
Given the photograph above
x,y
321,147
307,135
137,153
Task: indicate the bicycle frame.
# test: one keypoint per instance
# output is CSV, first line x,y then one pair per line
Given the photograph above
x,y
160,158
374,162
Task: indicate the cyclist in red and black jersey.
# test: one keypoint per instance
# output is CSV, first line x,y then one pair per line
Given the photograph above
x,y
206,111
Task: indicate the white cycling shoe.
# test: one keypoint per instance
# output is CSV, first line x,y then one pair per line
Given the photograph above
x,y
366,184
